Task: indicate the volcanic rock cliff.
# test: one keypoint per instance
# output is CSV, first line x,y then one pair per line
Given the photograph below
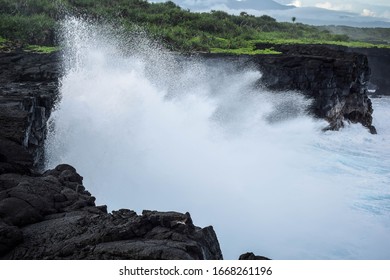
x,y
336,80
50,215
28,90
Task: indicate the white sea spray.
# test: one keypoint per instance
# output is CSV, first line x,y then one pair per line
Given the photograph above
x,y
149,130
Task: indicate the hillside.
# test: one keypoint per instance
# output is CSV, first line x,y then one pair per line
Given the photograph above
x,y
34,22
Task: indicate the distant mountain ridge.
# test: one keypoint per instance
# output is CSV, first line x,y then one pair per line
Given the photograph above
x,y
307,15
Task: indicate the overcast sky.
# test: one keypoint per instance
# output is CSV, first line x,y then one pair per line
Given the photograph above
x,y
369,8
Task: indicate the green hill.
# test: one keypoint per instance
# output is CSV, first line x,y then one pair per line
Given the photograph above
x,y
34,22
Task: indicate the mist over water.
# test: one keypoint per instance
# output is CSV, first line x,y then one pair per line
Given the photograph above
x,y
151,130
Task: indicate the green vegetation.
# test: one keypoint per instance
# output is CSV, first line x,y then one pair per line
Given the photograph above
x,y
34,29
34,23
351,44
6,45
2,42
41,49
249,51
371,35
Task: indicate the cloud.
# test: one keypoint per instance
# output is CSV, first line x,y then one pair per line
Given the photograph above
x,y
296,3
326,5
335,7
368,13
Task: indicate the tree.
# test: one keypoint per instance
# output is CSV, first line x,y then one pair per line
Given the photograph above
x,y
293,19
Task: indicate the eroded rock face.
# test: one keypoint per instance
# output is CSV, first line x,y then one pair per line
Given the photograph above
x,y
28,90
337,81
52,216
379,61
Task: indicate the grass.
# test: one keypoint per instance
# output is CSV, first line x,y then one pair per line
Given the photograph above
x,y
41,49
247,51
224,46
304,41
6,44
3,42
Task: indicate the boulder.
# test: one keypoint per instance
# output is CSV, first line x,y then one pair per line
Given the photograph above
x,y
250,257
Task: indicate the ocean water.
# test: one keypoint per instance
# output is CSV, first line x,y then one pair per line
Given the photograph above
x,y
150,130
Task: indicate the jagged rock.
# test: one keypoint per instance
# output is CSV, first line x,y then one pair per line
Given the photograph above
x,y
250,256
52,216
379,62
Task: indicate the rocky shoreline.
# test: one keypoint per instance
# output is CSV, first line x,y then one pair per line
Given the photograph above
x,y
50,215
335,79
